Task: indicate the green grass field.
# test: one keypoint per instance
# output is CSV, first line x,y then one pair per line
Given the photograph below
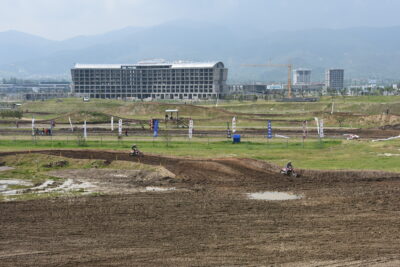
x,y
357,112
327,154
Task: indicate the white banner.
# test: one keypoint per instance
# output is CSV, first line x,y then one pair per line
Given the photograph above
x,y
190,129
84,130
317,121
120,127
321,128
33,126
112,124
234,125
70,123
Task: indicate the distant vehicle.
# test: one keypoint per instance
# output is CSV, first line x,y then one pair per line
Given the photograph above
x,y
351,136
86,99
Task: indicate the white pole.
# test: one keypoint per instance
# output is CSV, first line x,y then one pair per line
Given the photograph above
x,y
333,106
234,125
112,123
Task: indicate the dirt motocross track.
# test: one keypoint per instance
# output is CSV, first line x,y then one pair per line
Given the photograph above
x,y
344,218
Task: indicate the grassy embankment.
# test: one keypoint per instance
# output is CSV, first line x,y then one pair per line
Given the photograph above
x,y
348,111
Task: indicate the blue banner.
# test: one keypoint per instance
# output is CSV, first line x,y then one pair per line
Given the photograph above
x,y
269,136
155,126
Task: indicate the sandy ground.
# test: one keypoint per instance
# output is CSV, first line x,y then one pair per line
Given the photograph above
x,y
342,219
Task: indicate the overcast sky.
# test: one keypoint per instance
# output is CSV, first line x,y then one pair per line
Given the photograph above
x,y
61,19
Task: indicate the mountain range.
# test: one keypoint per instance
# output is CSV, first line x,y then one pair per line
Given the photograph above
x,y
364,53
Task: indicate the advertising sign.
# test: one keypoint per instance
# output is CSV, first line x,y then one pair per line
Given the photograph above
x,y
155,126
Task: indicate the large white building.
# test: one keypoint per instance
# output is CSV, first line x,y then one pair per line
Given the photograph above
x,y
150,80
302,77
334,79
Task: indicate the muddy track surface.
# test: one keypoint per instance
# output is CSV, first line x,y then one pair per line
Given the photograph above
x,y
343,219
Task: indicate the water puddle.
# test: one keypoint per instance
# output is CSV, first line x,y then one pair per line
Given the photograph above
x,y
120,175
46,187
4,186
159,189
273,196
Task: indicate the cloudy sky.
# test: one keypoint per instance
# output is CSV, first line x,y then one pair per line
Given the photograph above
x,y
61,19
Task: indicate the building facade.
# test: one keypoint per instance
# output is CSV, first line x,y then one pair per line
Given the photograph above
x,y
150,80
334,79
302,77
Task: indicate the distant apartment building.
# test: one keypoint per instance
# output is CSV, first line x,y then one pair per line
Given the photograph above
x,y
334,79
39,90
302,77
156,80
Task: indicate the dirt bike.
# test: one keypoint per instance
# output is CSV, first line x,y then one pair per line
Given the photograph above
x,y
136,153
289,172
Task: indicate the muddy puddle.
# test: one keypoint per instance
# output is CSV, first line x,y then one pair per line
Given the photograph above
x,y
46,187
159,189
273,196
6,183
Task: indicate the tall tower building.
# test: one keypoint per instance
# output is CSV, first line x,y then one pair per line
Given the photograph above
x,y
302,77
334,79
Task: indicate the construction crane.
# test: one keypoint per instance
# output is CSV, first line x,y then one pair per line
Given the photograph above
x,y
288,66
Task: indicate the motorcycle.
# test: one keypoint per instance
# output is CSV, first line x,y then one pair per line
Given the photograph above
x,y
136,153
289,172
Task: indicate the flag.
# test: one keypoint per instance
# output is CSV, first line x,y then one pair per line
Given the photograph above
x,y
70,123
190,129
269,134
155,128
234,125
33,126
120,127
305,129
317,121
84,130
321,128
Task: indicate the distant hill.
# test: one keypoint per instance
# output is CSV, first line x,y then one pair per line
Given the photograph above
x,y
362,52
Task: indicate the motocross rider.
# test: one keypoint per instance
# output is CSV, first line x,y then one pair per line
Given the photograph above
x,y
135,149
289,166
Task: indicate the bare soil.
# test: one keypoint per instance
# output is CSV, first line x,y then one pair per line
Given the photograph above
x,y
342,219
